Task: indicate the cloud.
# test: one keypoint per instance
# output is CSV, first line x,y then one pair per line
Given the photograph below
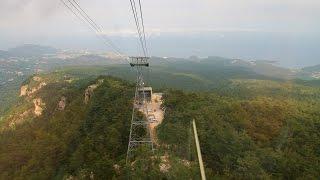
x,y
167,14
14,13
49,18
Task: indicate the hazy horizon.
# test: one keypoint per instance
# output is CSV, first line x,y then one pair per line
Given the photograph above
x,y
286,31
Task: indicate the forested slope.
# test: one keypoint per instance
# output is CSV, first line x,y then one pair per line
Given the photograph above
x,y
250,127
259,130
80,140
75,139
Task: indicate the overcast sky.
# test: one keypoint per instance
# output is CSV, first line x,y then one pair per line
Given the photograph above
x,y
205,23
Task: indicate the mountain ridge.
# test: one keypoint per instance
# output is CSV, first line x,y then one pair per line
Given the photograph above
x,y
70,136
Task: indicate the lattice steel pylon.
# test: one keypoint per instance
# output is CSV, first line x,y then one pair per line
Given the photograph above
x,y
140,126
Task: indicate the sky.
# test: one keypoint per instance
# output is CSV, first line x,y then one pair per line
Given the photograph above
x,y
287,31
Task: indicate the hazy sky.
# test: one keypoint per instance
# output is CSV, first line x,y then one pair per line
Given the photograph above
x,y
283,30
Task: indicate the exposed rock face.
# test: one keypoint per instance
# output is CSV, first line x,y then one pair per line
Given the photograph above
x,y
26,91
33,90
20,118
38,106
36,78
89,91
62,103
23,90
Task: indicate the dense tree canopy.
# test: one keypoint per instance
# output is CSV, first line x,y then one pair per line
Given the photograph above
x,y
257,135
248,129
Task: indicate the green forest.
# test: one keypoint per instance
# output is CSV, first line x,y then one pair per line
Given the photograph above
x,y
250,127
80,138
83,141
261,137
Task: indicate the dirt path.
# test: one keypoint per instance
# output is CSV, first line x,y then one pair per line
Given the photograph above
x,y
155,113
155,108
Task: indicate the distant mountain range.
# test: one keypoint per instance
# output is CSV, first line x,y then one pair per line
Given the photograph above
x,y
261,67
266,68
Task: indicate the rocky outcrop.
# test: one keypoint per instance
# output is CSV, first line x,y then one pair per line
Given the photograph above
x,y
62,103
20,117
35,89
25,90
89,91
39,106
37,78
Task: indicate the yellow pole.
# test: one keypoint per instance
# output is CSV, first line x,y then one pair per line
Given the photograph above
x,y
203,175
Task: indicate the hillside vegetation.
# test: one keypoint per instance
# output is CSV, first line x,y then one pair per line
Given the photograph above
x,y
250,126
259,130
79,140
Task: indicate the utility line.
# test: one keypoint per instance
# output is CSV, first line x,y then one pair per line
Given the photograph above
x,y
81,19
93,24
99,29
85,18
142,23
137,22
135,15
78,5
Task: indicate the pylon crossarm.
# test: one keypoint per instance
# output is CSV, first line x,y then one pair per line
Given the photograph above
x,y
139,61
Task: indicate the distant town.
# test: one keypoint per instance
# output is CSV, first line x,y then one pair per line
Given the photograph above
x,y
18,63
